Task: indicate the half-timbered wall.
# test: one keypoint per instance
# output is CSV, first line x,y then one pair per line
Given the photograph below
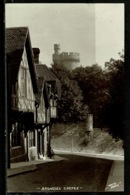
x,y
22,92
43,115
32,145
41,111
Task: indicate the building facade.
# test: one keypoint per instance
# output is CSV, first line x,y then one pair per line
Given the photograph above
x,y
22,85
69,60
49,93
31,99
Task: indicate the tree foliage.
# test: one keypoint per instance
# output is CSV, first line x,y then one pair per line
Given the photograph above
x,y
70,106
95,90
115,110
91,81
103,92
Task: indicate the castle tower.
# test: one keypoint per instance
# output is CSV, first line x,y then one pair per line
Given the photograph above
x,y
57,48
56,55
69,60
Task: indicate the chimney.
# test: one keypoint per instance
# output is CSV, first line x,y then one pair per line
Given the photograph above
x,y
36,52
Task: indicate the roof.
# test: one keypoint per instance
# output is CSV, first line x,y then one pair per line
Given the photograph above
x,y
49,77
15,40
43,70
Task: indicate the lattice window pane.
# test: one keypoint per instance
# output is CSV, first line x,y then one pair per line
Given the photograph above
x,y
15,135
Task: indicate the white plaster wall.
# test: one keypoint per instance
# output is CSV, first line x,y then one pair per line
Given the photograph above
x,y
26,103
32,151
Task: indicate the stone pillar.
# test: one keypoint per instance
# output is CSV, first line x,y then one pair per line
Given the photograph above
x,y
89,127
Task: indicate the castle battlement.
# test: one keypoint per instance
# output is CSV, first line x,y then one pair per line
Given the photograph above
x,y
70,56
69,59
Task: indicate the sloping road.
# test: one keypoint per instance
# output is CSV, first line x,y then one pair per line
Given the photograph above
x,y
73,174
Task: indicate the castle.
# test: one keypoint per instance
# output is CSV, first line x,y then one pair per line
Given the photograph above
x,y
69,60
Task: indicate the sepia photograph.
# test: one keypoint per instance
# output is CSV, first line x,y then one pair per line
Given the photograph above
x,y
66,66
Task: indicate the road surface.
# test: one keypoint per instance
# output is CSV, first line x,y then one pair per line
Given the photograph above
x,y
73,174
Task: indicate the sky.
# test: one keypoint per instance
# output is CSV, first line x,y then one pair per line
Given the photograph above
x,y
96,31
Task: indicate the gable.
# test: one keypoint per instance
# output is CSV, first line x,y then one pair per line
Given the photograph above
x,y
24,78
16,40
50,78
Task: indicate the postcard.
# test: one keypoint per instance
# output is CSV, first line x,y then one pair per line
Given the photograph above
x,y
65,69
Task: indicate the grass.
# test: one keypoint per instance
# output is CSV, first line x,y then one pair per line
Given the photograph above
x,y
72,136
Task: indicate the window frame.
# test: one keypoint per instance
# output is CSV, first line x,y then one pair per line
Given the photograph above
x,y
23,81
15,135
31,138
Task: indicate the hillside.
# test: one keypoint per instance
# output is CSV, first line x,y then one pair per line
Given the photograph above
x,y
72,137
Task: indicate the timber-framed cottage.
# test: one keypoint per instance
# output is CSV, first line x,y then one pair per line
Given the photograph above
x,y
22,87
47,98
33,92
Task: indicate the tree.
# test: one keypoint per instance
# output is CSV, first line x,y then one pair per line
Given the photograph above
x,y
115,110
102,90
71,106
92,83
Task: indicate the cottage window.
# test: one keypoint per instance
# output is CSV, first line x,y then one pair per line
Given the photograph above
x,y
53,103
23,82
53,112
15,135
53,108
31,138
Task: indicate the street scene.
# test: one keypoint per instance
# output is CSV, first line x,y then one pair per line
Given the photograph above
x,y
69,173
65,119
61,176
